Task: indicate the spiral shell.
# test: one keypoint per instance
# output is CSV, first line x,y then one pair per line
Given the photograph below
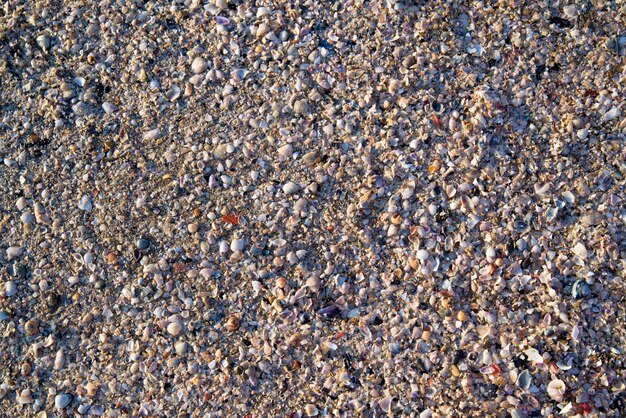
x,y
556,390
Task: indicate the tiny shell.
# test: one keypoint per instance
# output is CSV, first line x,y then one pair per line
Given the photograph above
x,y
290,188
301,107
233,323
580,289
556,390
534,355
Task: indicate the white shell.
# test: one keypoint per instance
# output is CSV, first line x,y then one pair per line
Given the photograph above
x,y
237,245
580,250
286,150
556,390
422,255
108,107
152,134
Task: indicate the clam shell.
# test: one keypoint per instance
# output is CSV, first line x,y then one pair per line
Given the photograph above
x,y
556,390
524,380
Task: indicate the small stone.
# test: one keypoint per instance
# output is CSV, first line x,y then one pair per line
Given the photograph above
x,y
14,252
199,65
62,400
175,328
109,107
192,228
290,188
582,133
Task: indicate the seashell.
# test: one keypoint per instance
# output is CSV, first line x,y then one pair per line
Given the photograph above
x,y
237,245
239,74
43,41
613,113
175,328
437,107
556,390
14,252
152,134
310,157
580,250
62,400
199,65
330,311
262,30
534,355
311,410
286,150
422,255
85,203
221,20
59,360
524,380
233,323
290,188
301,107
580,289
96,410
31,327
173,93
25,397
385,404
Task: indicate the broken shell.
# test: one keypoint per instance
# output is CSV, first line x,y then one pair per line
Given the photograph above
x,y
437,107
301,107
580,289
25,397
556,390
524,380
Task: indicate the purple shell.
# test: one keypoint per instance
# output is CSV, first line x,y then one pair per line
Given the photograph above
x,y
330,311
220,20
